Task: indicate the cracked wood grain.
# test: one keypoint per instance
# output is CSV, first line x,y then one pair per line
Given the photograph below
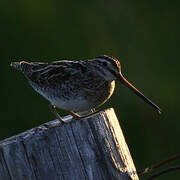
x,y
91,148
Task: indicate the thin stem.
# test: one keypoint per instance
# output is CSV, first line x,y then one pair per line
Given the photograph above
x,y
163,172
149,169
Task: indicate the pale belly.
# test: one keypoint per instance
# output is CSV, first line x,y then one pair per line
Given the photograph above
x,y
79,102
86,103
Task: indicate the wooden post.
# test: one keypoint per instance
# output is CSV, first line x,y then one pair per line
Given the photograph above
x,y
91,148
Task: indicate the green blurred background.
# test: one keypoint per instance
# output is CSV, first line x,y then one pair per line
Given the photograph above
x,y
142,34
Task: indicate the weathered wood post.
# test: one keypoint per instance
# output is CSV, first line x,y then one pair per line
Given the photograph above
x,y
92,148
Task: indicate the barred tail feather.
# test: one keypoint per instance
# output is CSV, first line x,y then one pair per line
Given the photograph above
x,y
22,66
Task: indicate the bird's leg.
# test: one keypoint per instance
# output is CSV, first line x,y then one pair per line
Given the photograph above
x,y
92,111
75,115
53,110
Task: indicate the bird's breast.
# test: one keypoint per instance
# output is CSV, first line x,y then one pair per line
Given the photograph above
x,y
102,94
77,99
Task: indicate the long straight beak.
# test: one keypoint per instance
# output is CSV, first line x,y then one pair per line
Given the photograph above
x,y
138,93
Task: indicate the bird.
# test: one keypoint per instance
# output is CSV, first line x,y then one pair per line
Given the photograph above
x,y
77,86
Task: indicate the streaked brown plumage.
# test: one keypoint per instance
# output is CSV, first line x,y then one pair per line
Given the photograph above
x,y
76,86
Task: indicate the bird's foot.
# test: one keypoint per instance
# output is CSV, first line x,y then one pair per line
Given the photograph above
x,y
84,115
53,110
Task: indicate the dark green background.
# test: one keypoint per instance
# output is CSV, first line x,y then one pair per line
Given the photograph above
x,y
142,34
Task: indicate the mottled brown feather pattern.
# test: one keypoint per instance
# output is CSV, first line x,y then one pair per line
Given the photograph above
x,y
66,80
76,86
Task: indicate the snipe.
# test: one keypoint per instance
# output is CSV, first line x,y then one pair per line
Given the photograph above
x,y
76,86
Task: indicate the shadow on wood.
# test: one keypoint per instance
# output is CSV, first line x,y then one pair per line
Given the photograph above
x,y
91,148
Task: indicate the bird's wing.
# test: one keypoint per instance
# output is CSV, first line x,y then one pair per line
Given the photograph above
x,y
80,73
57,72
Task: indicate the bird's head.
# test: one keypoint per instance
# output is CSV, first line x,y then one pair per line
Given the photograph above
x,y
113,69
111,65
